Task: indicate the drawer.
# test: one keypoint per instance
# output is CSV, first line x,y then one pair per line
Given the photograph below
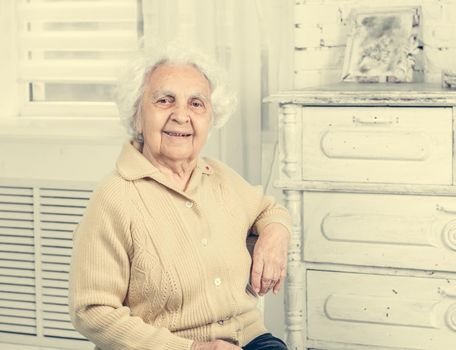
x,y
403,231
385,311
377,144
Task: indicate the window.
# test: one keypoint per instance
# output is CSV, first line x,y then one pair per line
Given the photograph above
x,y
70,53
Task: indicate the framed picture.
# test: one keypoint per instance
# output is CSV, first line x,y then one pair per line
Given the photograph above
x,y
449,79
382,45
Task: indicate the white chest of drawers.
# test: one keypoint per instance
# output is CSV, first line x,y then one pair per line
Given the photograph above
x,y
368,176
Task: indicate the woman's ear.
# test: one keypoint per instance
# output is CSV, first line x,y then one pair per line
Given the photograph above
x,y
138,125
138,120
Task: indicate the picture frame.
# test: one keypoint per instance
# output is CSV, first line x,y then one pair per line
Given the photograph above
x,y
449,79
382,45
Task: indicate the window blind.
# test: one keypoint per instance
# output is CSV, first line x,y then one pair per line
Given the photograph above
x,y
71,52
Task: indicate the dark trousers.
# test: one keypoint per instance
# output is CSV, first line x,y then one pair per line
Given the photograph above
x,y
266,342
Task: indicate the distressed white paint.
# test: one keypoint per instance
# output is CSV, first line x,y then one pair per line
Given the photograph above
x,y
398,145
377,237
401,312
380,230
291,135
295,291
319,58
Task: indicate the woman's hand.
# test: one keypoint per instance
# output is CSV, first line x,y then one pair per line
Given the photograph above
x,y
214,345
270,259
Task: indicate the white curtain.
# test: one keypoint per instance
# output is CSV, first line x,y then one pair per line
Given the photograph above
x,y
230,31
253,40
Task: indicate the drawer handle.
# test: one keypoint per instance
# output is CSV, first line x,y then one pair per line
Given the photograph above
x,y
449,292
449,235
450,317
445,210
374,120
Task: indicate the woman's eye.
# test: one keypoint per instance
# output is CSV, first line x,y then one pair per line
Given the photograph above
x,y
165,100
197,104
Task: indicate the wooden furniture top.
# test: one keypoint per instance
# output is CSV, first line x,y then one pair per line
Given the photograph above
x,y
369,94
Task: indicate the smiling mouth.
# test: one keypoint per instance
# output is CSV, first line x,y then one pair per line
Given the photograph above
x,y
177,134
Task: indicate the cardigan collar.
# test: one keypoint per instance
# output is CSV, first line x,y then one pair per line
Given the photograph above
x,y
132,165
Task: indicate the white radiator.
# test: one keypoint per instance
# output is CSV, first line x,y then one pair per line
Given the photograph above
x,y
37,220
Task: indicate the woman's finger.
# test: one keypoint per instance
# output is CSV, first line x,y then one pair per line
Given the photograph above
x,y
257,271
280,281
267,278
266,284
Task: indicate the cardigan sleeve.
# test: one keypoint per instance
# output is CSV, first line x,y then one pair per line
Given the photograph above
x,y
262,210
99,277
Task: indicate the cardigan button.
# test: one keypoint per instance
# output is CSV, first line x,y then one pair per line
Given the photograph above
x,y
218,281
189,204
204,242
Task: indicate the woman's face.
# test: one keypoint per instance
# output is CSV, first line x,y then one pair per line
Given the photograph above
x,y
175,113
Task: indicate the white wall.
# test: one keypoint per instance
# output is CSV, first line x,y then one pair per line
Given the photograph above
x,y
75,160
81,150
322,28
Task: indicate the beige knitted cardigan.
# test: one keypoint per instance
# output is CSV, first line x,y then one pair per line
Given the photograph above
x,y
156,268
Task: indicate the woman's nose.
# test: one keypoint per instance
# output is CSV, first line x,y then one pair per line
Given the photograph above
x,y
181,114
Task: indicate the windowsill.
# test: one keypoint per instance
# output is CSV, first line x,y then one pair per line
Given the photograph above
x,y
75,130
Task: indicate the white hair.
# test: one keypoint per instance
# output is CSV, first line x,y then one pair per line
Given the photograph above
x,y
131,83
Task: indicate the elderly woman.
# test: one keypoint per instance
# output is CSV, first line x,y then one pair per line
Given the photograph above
x,y
160,260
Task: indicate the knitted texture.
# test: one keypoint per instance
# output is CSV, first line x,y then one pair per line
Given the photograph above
x,y
156,268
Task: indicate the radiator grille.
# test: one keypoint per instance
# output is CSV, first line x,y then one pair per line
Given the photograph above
x,y
60,212
36,230
17,261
